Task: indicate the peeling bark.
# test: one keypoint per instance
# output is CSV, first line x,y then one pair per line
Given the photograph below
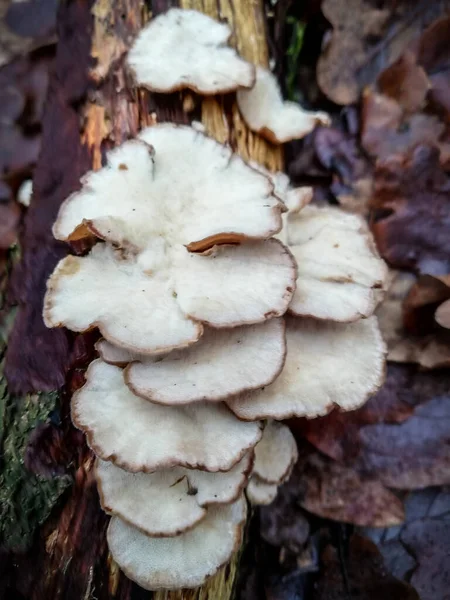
x,y
92,107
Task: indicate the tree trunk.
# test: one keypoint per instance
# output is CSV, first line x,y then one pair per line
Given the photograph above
x,y
52,531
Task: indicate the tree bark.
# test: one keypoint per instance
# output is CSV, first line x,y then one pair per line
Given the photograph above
x,y
91,107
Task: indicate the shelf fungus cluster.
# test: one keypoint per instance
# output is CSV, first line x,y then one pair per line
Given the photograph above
x,y
226,303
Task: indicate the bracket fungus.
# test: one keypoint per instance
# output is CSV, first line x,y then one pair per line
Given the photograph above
x,y
169,501
275,456
138,435
265,111
184,561
173,227
188,50
189,287
340,273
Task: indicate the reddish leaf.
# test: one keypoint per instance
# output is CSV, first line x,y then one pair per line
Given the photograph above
x,y
333,491
359,575
415,189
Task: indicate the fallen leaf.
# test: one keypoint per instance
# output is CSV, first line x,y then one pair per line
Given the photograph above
x,y
434,55
413,190
419,550
333,491
366,38
407,320
387,131
401,437
359,574
405,82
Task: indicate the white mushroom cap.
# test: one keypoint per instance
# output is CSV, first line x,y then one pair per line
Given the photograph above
x,y
223,363
340,273
294,198
185,561
170,501
236,285
114,355
275,454
326,364
187,49
131,309
442,314
138,435
25,192
190,191
260,493
265,112
229,286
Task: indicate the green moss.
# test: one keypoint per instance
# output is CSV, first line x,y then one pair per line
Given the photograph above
x,y
26,500
293,53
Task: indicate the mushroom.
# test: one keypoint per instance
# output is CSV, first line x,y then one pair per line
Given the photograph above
x,y
184,561
265,112
327,364
168,230
187,49
232,285
138,435
340,273
120,357
275,456
223,363
260,493
170,501
442,314
173,186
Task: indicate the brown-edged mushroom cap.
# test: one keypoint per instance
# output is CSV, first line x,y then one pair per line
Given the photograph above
x,y
191,191
340,274
327,364
228,286
260,493
265,111
275,454
114,355
187,49
185,561
138,435
223,363
131,309
170,501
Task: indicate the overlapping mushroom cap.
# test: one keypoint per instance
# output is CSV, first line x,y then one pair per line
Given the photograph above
x,y
326,364
275,456
187,49
340,274
138,435
265,112
184,561
168,222
169,501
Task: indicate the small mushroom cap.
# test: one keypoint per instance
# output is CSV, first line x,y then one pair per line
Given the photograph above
x,y
260,493
236,285
185,561
223,363
138,435
442,314
340,273
326,364
265,111
167,194
187,49
114,355
275,454
170,501
131,309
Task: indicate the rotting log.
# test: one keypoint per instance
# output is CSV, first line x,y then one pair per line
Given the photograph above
x,y
91,107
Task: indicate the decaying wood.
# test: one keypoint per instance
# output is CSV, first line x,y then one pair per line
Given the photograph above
x,y
92,106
